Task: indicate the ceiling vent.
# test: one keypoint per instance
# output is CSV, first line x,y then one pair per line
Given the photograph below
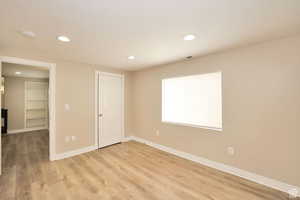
x,y
188,57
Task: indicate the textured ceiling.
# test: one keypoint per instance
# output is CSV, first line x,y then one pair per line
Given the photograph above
x,y
107,32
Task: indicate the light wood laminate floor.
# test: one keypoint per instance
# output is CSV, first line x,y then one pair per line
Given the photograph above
x,y
120,172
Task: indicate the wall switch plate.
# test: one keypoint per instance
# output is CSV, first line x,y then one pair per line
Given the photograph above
x,y
157,132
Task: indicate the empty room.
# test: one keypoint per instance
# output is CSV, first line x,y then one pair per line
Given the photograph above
x,y
150,100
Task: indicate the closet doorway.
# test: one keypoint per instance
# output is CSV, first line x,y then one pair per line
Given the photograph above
x,y
34,97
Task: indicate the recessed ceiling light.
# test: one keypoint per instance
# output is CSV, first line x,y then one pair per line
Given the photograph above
x,y
189,37
28,34
18,73
63,38
131,57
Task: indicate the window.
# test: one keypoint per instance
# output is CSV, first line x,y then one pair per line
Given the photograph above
x,y
193,100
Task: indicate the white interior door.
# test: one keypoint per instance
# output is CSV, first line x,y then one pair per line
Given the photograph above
x,y
110,108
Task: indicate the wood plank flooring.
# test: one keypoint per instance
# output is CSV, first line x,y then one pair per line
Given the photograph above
x,y
124,171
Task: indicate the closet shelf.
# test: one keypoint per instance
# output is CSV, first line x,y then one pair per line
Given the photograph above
x,y
37,100
34,118
36,109
36,126
36,104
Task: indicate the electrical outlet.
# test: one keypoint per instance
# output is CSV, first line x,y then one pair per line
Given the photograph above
x,y
157,133
67,138
67,107
230,151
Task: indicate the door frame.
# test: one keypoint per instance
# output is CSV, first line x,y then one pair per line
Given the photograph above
x,y
97,75
51,100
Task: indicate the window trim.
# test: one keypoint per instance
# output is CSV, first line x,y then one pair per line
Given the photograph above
x,y
192,125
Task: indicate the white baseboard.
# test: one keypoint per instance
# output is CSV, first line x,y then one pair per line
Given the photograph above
x,y
81,151
25,130
278,185
75,152
126,139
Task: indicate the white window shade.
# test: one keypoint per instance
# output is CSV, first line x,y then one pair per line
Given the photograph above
x,y
193,100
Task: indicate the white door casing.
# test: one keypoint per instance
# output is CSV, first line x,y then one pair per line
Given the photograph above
x,y
52,81
1,124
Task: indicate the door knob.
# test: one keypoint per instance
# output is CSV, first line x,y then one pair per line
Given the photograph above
x,y
100,115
